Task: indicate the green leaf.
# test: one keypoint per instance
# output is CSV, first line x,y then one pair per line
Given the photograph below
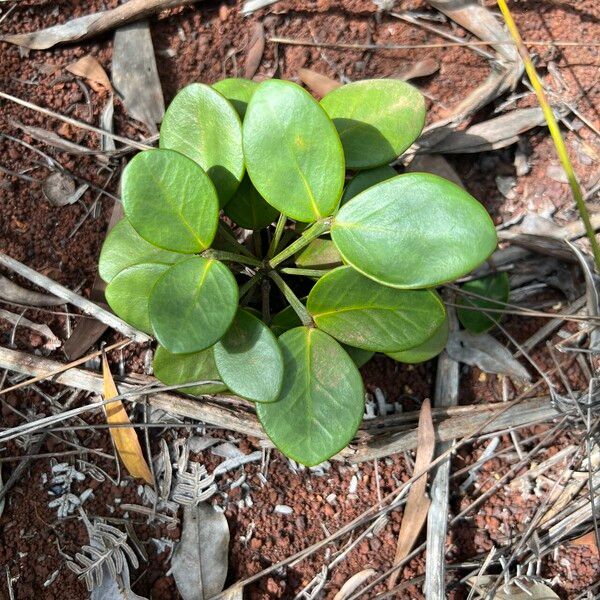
x,y
414,230
322,400
495,287
128,293
377,119
427,350
362,313
365,179
359,356
319,254
204,126
170,201
124,247
193,304
237,91
293,153
250,360
174,369
249,209
285,320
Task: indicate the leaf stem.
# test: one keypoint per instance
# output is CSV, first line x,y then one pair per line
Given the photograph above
x,y
294,301
281,221
231,257
226,235
559,143
253,281
313,232
306,272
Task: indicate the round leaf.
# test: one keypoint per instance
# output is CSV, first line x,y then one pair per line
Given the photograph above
x,y
365,179
414,230
248,208
170,201
358,355
124,247
174,369
427,350
362,313
495,287
319,254
129,291
293,153
250,360
322,400
237,91
204,126
377,119
193,304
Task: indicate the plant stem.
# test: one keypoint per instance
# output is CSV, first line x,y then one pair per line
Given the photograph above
x,y
306,272
294,301
231,239
277,235
313,232
231,257
554,129
246,287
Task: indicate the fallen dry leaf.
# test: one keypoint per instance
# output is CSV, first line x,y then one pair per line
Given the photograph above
x,y
89,68
125,438
417,502
256,48
353,583
320,85
421,68
535,590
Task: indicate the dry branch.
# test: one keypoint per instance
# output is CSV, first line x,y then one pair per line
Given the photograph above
x,y
371,443
75,299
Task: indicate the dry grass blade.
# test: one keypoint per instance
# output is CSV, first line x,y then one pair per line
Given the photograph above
x,y
52,342
91,25
417,503
125,438
15,294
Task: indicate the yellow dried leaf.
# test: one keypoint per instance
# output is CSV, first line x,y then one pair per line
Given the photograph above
x,y
125,438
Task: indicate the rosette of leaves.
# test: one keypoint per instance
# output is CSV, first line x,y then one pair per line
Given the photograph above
x,y
330,273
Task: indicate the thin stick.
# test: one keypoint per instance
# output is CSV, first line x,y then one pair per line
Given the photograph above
x,y
85,305
74,122
554,129
350,46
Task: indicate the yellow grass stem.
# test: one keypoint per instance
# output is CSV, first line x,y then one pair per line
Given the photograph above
x,y
554,129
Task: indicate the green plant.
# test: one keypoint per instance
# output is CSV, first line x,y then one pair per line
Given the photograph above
x,y
336,274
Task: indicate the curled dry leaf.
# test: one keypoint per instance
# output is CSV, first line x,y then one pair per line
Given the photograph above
x,y
535,589
320,85
485,352
89,68
59,189
256,48
354,583
199,564
90,25
15,294
125,438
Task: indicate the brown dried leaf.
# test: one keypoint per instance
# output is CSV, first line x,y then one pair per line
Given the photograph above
x,y
422,68
89,68
320,85
256,48
354,583
436,164
417,502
